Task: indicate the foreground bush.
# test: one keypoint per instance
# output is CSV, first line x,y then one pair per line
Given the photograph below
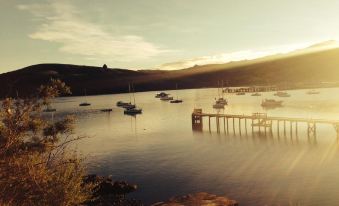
x,y
36,165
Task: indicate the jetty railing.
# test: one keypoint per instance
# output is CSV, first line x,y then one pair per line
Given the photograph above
x,y
260,122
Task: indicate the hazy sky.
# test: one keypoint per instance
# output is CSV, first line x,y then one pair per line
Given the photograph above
x,y
146,34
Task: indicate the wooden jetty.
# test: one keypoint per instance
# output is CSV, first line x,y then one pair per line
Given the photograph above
x,y
259,122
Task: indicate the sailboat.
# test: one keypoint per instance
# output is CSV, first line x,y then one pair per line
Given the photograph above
x,y
221,101
282,94
49,108
106,110
85,103
132,110
126,105
176,100
313,92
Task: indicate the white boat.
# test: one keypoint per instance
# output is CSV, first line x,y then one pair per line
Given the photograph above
x,y
161,94
240,93
256,94
271,103
312,92
166,98
282,94
221,101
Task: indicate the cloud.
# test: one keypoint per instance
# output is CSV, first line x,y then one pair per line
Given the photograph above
x,y
61,23
232,56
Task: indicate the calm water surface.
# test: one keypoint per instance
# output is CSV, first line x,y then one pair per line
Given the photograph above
x,y
159,151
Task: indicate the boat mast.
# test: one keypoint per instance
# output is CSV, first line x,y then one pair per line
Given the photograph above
x,y
218,91
222,89
133,94
85,96
129,92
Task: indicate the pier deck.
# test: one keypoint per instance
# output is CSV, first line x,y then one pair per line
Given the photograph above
x,y
260,121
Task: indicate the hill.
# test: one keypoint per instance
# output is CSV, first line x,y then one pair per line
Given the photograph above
x,y
309,66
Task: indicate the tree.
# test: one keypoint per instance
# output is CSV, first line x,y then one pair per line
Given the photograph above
x,y
37,166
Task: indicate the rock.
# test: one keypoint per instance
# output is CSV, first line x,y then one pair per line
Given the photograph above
x,y
107,187
110,193
198,199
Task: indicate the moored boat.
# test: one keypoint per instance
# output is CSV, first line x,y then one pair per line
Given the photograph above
x,y
240,93
133,111
177,100
218,106
256,94
49,109
85,103
271,103
106,110
282,94
130,108
221,100
161,94
312,92
121,103
166,98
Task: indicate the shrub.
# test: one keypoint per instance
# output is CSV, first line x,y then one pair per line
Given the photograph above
x,y
36,165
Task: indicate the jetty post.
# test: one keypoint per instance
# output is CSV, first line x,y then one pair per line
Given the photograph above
x,y
197,121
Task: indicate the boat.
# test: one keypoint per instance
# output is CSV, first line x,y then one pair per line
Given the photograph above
x,y
126,105
49,109
106,110
282,94
85,104
312,92
161,94
221,101
131,109
166,98
176,100
121,103
218,106
256,94
271,103
240,93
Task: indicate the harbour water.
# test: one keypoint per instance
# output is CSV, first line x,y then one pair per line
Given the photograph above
x,y
160,153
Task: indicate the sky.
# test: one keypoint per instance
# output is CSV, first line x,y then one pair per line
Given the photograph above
x,y
158,34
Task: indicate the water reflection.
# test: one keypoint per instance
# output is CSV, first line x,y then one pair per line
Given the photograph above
x,y
159,151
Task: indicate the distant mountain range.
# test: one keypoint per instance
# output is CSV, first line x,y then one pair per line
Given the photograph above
x,y
311,66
